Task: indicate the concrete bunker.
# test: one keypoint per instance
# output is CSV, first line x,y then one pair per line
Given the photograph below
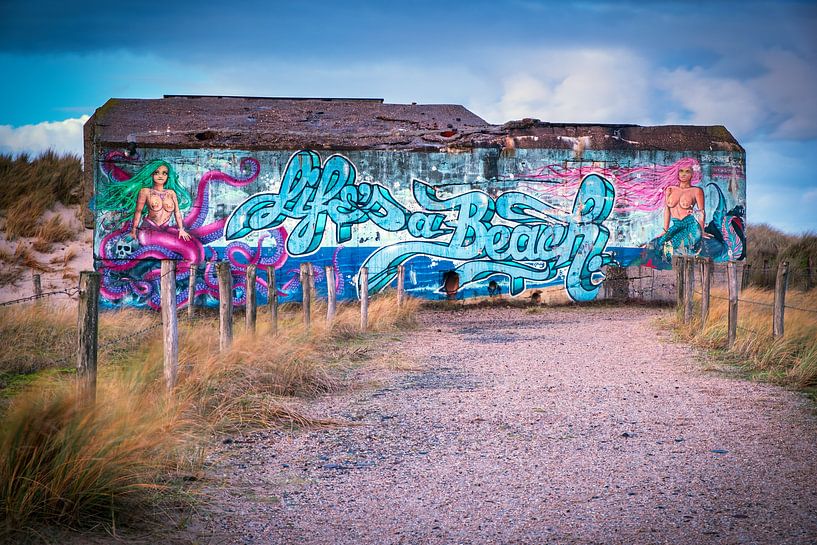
x,y
513,209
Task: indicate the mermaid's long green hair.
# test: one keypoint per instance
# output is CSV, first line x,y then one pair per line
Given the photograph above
x,y
122,196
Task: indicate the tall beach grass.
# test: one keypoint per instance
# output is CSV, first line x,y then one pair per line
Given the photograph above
x,y
32,185
67,463
790,360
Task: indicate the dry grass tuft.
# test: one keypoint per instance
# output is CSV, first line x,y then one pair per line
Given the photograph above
x,y
55,230
23,258
791,360
42,246
70,253
42,334
49,173
23,218
69,463
10,271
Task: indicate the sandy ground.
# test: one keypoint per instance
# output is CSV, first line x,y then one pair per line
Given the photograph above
x,y
570,425
66,259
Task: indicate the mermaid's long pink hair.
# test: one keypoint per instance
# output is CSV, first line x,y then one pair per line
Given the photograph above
x,y
637,188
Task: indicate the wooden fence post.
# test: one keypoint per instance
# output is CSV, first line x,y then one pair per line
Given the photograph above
x,y
170,329
38,287
678,266
706,285
780,285
87,335
251,310
191,292
306,289
732,285
272,299
364,298
689,288
401,285
225,305
331,296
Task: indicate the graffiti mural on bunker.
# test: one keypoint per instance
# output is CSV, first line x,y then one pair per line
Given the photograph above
x,y
538,221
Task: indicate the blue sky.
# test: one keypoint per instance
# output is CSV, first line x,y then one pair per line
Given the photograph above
x,y
751,66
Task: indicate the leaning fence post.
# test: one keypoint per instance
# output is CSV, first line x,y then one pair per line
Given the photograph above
x,y
170,330
251,310
780,285
191,291
38,288
401,285
732,286
225,305
87,335
272,299
678,266
331,296
706,284
306,289
689,288
364,298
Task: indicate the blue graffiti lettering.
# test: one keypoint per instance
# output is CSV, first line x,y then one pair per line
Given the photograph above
x,y
530,241
312,194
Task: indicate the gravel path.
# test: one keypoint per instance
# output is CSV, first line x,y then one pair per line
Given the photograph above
x,y
571,425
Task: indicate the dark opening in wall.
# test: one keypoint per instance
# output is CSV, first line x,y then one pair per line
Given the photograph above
x,y
451,283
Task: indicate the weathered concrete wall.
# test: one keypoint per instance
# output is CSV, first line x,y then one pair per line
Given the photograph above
x,y
519,217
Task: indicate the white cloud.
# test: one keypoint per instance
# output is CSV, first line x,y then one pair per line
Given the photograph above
x,y
61,136
788,90
780,102
574,85
713,100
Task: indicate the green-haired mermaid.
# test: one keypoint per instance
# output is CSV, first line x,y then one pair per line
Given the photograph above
x,y
122,196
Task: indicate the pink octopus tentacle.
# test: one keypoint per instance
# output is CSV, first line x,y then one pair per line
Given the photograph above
x,y
190,250
112,169
209,276
199,207
257,256
210,231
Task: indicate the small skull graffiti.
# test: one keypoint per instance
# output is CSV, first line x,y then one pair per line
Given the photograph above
x,y
125,247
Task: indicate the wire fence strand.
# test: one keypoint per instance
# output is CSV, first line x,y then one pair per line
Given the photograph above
x,y
122,338
813,311
748,330
70,292
760,303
